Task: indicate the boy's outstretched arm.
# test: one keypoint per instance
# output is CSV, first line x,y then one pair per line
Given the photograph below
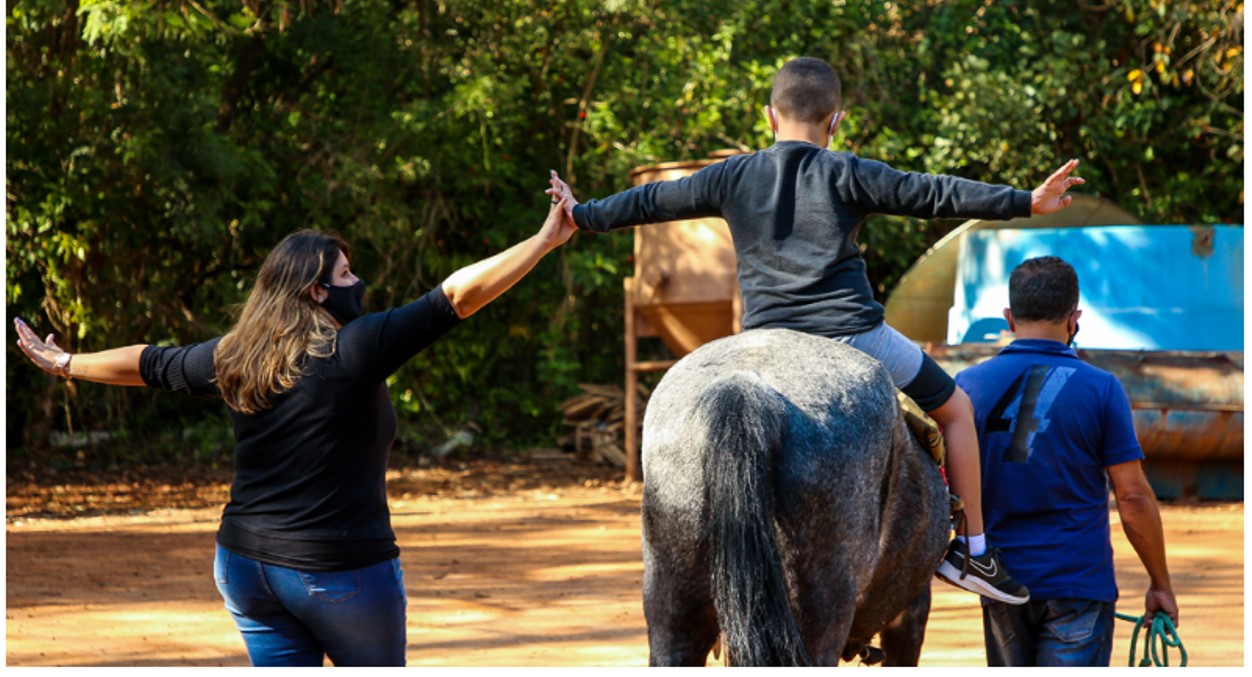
x,y
1050,196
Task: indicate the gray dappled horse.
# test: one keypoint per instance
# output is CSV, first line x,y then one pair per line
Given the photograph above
x,y
785,503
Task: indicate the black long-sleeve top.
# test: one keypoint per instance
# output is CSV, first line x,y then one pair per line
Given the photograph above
x,y
794,211
309,486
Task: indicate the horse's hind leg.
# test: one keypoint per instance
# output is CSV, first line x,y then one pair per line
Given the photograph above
x,y
678,605
826,610
902,638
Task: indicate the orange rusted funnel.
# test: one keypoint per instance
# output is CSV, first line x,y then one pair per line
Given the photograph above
x,y
685,287
684,290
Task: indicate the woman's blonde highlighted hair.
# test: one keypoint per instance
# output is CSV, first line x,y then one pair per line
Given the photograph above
x,y
281,326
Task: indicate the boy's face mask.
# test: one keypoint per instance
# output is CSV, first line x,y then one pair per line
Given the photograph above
x,y
345,304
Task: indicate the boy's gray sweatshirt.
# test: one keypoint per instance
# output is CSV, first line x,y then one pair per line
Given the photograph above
x,y
794,211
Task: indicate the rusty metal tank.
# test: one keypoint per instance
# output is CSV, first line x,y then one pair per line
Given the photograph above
x,y
1187,407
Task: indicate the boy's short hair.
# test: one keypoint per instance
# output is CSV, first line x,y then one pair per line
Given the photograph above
x,y
1044,288
806,90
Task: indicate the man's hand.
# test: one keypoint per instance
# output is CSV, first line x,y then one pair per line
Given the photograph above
x,y
1160,601
560,191
1050,196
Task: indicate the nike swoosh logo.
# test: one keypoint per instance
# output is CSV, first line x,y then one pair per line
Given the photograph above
x,y
985,571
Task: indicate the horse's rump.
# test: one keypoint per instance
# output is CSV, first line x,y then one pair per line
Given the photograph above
x,y
770,463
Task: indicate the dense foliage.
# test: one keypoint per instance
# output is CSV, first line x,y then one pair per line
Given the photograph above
x,y
157,149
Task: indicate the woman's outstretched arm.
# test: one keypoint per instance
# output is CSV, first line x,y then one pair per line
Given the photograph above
x,y
476,285
118,366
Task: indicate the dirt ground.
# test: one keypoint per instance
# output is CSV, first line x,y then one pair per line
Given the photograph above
x,y
525,564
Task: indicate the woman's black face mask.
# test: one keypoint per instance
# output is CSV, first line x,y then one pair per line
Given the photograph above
x,y
345,304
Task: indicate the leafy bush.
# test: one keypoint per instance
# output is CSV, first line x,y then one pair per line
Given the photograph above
x,y
158,149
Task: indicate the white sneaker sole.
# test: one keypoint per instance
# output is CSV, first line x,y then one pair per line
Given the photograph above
x,y
950,574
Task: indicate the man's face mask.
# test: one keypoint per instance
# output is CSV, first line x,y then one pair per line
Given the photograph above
x,y
345,304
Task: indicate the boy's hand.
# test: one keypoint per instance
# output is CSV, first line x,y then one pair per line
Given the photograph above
x,y
560,191
1050,196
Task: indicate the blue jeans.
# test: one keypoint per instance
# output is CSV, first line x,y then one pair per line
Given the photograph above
x,y
1051,632
291,617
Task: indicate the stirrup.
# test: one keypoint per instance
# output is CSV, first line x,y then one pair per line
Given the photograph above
x,y
870,655
957,505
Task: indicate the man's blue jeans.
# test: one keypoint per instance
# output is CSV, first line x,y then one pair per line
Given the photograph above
x,y
292,617
1052,632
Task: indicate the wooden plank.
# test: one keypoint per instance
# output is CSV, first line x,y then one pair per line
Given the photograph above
x,y
612,454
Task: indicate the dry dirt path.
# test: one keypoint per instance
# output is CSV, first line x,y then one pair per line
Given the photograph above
x,y
505,566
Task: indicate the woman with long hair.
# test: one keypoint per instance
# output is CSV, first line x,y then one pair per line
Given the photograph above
x,y
306,557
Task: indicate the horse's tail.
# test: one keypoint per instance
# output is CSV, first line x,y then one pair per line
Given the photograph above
x,y
744,419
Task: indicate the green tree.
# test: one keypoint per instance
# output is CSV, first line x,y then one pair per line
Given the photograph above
x,y
157,149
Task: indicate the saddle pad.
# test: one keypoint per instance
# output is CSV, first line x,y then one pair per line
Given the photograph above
x,y
923,427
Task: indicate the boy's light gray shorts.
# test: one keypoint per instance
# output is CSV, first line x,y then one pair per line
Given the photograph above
x,y
911,369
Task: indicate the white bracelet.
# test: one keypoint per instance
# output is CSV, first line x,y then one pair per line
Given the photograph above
x,y
62,364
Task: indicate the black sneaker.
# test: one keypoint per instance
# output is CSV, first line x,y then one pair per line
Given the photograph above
x,y
984,574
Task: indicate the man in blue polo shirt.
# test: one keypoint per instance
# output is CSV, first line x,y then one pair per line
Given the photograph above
x,y
1054,432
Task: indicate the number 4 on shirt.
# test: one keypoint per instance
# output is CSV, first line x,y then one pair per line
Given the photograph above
x,y
1023,410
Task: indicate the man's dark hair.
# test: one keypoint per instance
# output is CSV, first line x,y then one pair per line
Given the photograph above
x,y
806,90
1043,289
